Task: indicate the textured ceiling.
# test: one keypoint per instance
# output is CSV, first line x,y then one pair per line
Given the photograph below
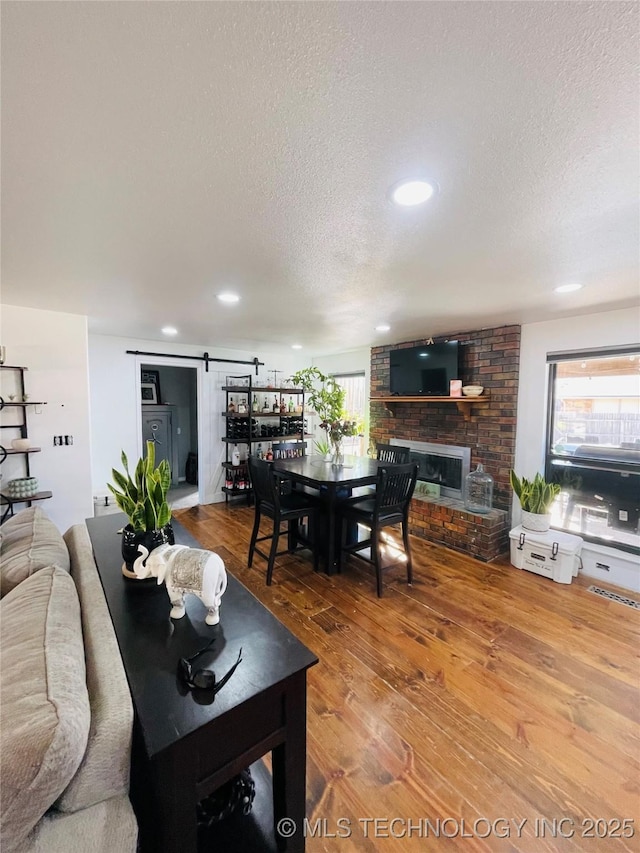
x,y
154,154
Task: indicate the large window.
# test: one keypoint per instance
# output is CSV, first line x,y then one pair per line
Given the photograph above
x,y
593,446
355,403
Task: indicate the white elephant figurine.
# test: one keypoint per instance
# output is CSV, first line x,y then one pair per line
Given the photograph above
x,y
184,570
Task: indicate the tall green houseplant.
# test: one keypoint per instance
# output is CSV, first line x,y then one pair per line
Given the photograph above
x,y
143,496
325,395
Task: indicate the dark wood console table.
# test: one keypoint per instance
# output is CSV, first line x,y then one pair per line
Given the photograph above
x,y
185,744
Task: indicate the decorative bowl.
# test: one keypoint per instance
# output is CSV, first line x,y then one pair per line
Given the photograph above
x,y
23,487
472,390
21,443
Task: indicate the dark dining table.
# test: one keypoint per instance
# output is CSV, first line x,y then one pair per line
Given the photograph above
x,y
333,484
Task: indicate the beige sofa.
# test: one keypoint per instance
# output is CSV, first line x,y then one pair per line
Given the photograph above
x,y
66,709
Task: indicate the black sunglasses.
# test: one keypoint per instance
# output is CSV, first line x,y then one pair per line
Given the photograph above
x,y
204,679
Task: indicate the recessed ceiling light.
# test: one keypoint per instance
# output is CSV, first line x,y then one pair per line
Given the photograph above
x,y
409,193
229,298
296,346
382,328
169,330
567,288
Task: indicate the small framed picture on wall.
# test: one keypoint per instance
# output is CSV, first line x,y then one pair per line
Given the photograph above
x,y
149,392
150,377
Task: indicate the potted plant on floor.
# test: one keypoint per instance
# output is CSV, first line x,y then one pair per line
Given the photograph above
x,y
536,497
143,497
326,397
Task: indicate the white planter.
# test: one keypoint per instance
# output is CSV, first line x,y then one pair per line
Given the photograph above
x,y
536,521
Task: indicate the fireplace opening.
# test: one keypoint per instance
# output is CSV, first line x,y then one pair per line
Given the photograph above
x,y
443,464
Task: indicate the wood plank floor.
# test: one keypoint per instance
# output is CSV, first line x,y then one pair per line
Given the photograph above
x,y
482,709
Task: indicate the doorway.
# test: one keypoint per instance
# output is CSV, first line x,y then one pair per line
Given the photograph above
x,y
169,417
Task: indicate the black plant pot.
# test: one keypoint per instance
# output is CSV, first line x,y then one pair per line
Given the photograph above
x,y
149,538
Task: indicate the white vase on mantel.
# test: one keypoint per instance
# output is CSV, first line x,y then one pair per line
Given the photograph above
x,y
535,521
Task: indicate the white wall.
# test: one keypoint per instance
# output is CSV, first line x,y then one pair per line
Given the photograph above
x,y
612,328
115,404
53,346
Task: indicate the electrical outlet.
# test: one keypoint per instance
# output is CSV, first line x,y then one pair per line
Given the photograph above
x,y
57,440
68,439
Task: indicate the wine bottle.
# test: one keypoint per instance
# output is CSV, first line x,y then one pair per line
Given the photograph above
x,y
276,405
269,456
255,403
235,455
232,406
291,404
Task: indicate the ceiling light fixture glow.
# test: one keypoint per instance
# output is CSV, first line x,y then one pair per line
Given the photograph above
x,y
567,288
410,193
383,328
229,298
296,346
169,330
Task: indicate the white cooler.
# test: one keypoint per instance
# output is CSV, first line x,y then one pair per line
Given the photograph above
x,y
553,554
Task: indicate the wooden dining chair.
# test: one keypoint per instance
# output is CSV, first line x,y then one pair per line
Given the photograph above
x,y
393,454
280,508
389,506
396,454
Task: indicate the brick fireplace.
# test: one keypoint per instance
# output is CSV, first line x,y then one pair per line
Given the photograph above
x,y
488,357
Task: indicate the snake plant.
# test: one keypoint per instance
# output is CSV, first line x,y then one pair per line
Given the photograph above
x,y
534,495
323,447
143,497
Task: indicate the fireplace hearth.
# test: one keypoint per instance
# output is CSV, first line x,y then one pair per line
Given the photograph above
x,y
444,464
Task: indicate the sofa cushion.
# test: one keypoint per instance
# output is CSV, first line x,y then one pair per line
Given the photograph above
x,y
104,769
30,541
43,699
106,827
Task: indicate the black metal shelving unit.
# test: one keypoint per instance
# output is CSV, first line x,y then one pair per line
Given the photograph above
x,y
282,431
20,406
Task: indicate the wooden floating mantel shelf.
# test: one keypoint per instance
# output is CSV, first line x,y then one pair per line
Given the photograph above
x,y
462,403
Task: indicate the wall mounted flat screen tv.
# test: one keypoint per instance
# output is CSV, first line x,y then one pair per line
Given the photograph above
x,y
424,370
